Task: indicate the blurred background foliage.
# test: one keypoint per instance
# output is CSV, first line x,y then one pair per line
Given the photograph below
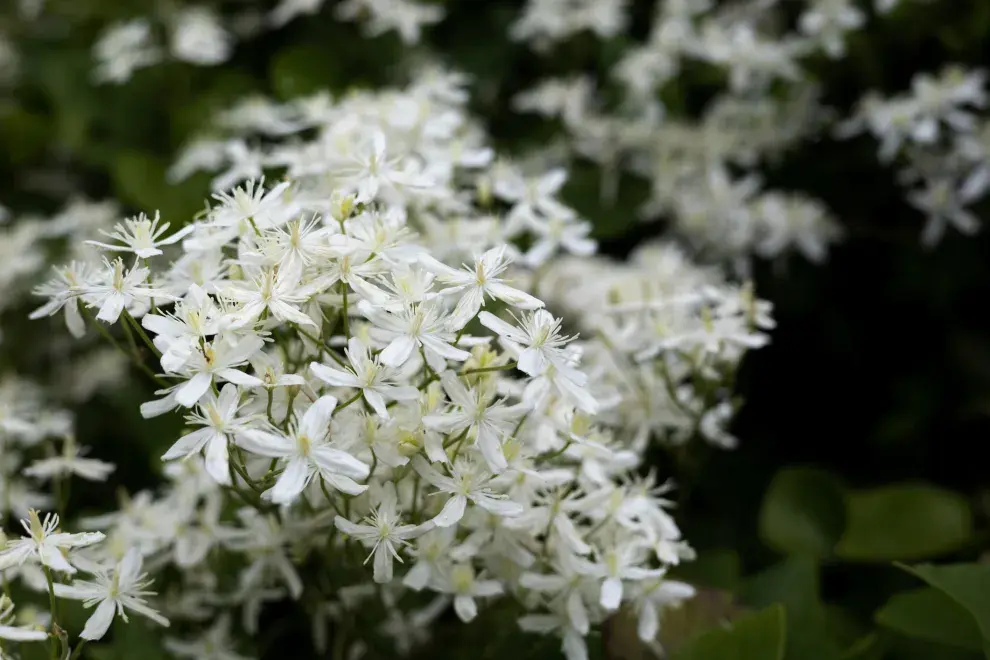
x,y
863,429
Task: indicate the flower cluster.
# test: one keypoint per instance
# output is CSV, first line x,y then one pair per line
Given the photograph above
x,y
369,374
37,446
666,334
199,35
943,145
702,172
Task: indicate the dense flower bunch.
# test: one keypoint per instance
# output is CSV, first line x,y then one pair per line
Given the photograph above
x,y
942,145
667,334
203,35
199,35
704,170
367,376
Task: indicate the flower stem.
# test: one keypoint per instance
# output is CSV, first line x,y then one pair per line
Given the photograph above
x,y
116,344
78,650
344,314
141,333
349,401
53,607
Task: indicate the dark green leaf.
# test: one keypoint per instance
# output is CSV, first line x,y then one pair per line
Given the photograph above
x,y
804,512
930,614
794,584
966,584
758,636
902,522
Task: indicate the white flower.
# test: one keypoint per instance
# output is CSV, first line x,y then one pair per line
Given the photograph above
x,y
651,595
71,462
218,416
117,289
383,532
198,37
270,291
466,483
574,646
116,590
540,347
217,359
370,172
289,9
404,16
476,416
214,644
367,374
63,291
142,236
465,587
472,284
306,452
122,49
557,232
620,562
944,206
248,202
15,633
45,544
422,325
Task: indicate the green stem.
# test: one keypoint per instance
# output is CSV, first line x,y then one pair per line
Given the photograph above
x,y
553,455
323,347
142,334
288,412
482,370
345,318
326,494
457,449
116,344
78,650
469,372
348,402
130,342
414,513
53,607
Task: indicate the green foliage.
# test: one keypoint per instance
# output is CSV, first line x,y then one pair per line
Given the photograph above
x,y
966,584
879,370
931,615
794,583
905,522
804,512
758,636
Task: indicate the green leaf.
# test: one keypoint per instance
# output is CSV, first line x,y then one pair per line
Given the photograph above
x,y
931,615
868,647
718,568
903,522
794,584
758,636
968,585
803,512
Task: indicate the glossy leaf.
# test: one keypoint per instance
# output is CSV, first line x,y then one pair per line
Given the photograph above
x,y
931,615
803,512
904,522
968,585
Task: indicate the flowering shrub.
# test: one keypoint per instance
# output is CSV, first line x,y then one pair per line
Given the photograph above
x,y
456,345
